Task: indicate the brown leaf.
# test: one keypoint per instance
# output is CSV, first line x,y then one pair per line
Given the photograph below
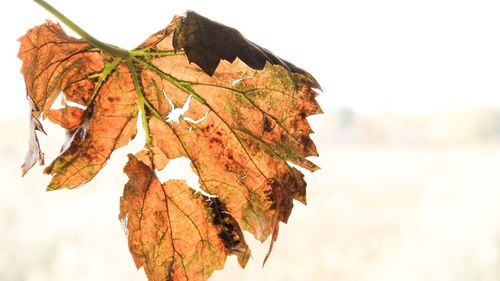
x,y
173,232
207,42
238,113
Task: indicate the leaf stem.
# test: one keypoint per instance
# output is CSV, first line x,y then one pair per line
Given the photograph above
x,y
142,102
107,48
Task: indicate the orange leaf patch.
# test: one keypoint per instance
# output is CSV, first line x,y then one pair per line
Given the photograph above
x,y
173,232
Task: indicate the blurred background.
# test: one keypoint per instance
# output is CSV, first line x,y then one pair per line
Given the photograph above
x,y
409,144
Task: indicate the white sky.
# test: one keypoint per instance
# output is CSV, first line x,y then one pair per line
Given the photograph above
x,y
404,56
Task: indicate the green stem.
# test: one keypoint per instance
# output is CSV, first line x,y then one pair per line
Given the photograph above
x,y
142,102
113,50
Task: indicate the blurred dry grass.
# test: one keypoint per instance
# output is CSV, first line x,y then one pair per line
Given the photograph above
x,y
377,210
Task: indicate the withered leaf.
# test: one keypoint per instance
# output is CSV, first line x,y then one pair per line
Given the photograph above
x,y
173,232
238,112
207,42
34,153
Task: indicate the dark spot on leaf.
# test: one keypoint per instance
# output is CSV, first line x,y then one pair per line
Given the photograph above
x,y
113,99
266,125
306,141
215,141
229,154
269,193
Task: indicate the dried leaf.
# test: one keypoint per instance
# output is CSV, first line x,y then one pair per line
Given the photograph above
x,y
173,232
207,42
34,153
238,112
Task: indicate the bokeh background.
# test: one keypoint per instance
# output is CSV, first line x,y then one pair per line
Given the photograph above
x,y
409,144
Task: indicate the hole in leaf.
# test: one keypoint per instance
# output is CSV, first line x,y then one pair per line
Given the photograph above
x,y
59,102
236,81
75,104
180,168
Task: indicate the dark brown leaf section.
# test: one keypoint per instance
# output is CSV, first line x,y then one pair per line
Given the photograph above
x,y
229,231
207,42
174,233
